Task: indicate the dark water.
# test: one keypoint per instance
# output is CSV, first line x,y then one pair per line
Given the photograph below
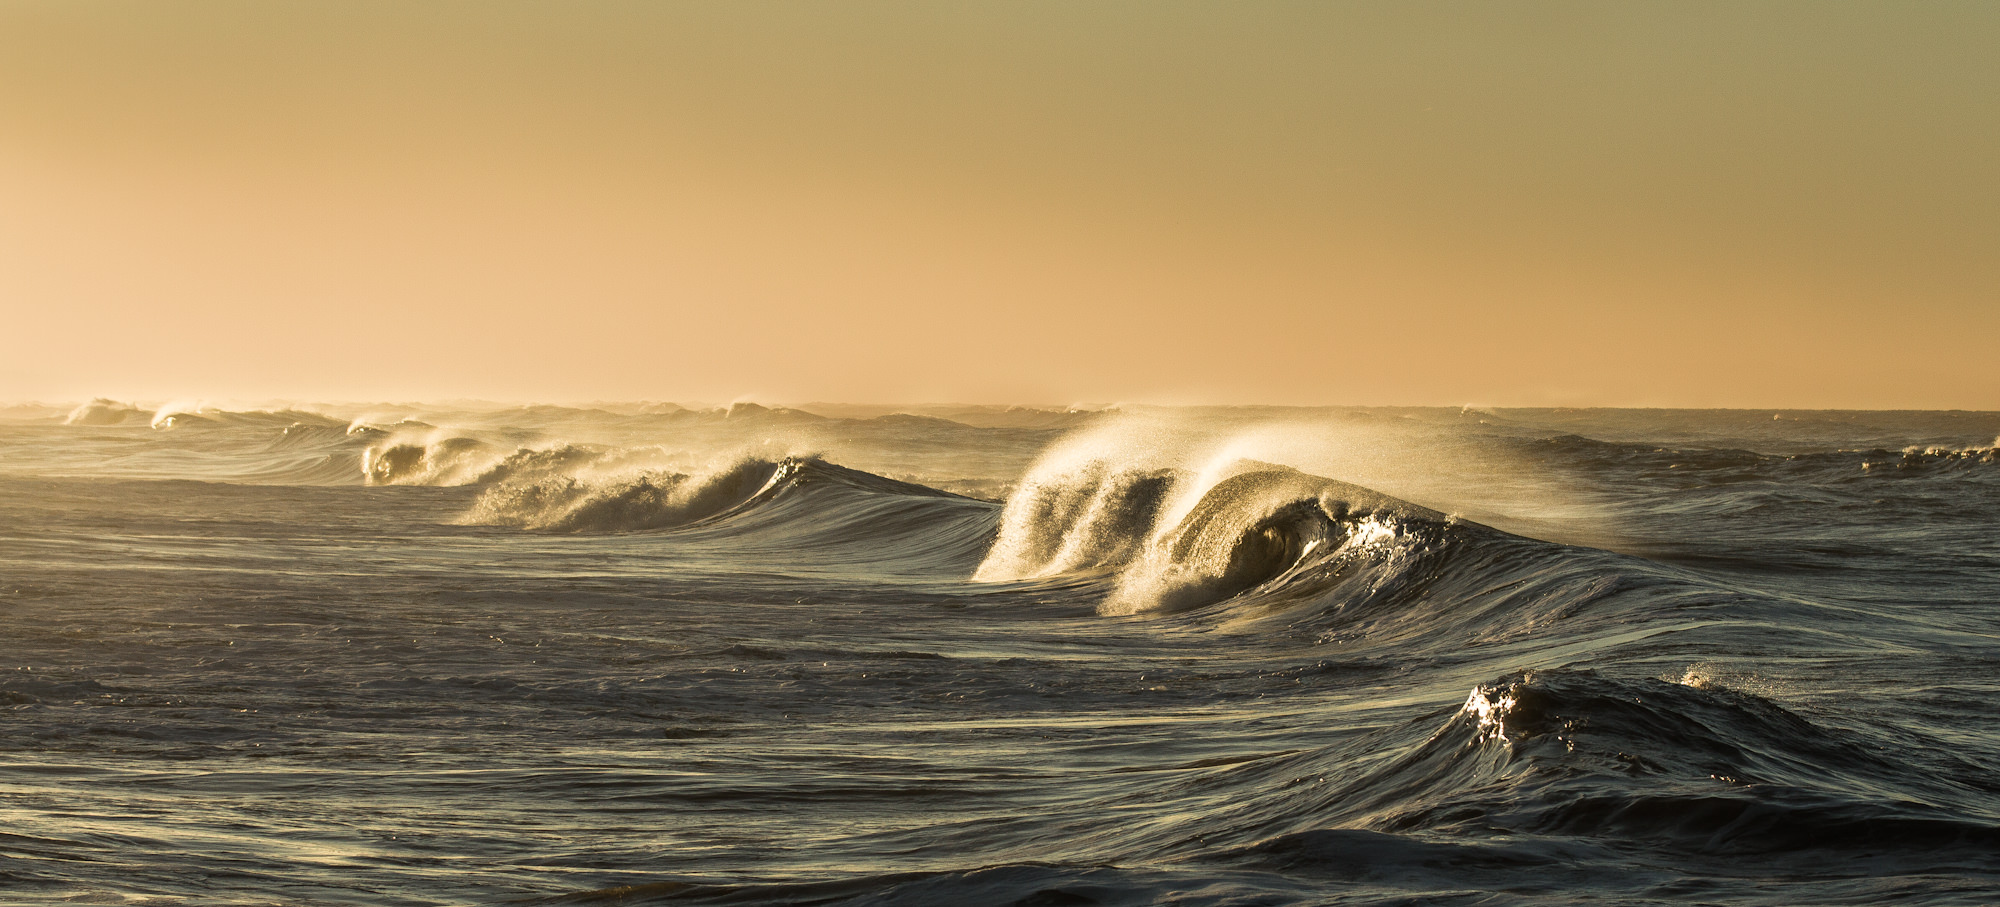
x,y
984,656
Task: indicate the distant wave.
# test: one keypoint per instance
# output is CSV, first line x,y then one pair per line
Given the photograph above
x,y
106,412
1924,458
802,512
184,414
406,444
657,499
1573,450
416,453
461,460
561,502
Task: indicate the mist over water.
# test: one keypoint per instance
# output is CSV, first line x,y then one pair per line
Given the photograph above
x,y
410,654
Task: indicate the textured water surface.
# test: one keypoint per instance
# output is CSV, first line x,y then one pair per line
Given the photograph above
x,y
407,655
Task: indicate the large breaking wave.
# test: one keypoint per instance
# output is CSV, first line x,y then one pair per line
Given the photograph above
x,y
1189,523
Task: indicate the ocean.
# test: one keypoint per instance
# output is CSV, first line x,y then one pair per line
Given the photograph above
x,y
837,654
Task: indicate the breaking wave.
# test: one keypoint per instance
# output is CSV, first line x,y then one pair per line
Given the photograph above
x,y
1177,539
1556,752
106,412
1935,457
419,454
1258,529
1095,517
561,502
449,461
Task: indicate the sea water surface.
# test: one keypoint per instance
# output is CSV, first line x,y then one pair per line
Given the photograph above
x,y
402,655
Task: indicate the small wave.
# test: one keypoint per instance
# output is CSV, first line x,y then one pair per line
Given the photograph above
x,y
416,454
370,428
649,500
1930,458
102,411
184,414
445,461
803,512
747,410
1693,768
302,435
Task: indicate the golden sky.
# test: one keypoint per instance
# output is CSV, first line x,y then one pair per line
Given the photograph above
x,y
1666,204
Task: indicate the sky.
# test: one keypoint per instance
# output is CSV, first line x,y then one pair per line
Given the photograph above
x,y
1760,205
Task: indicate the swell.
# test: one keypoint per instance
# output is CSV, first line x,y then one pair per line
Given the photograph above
x,y
1540,784
1689,767
1699,465
799,511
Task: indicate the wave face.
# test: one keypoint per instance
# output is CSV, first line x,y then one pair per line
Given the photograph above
x,y
650,653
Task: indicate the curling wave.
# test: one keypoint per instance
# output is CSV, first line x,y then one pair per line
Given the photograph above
x,y
1177,542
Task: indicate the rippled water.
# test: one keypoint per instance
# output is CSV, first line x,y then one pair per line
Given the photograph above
x,y
418,656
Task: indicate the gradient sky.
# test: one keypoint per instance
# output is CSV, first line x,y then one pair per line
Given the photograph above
x,y
1671,204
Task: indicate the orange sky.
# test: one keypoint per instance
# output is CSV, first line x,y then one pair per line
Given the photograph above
x,y
1685,204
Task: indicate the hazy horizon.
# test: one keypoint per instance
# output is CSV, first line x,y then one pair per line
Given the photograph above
x,y
1784,206
863,409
